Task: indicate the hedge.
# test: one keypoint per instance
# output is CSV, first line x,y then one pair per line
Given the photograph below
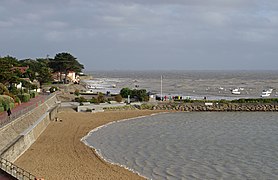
x,y
6,102
24,97
17,100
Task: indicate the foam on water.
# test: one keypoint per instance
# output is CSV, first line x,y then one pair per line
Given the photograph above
x,y
207,145
196,84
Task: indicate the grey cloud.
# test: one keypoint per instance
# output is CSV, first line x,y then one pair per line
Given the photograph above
x,y
192,33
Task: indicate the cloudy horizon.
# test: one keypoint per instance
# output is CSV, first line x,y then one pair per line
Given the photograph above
x,y
144,35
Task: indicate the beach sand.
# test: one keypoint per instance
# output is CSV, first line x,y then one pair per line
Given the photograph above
x,y
59,154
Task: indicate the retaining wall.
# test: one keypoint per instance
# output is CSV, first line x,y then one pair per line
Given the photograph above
x,y
17,136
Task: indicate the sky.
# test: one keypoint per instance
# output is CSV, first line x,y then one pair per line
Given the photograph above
x,y
144,34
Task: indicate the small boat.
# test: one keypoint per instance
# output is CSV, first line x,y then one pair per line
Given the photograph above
x,y
236,91
266,93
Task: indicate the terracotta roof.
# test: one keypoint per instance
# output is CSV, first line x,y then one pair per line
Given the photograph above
x,y
21,69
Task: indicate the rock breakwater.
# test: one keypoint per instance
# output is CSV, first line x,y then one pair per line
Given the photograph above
x,y
215,107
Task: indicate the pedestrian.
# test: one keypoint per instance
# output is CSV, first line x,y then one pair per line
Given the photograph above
x,y
9,112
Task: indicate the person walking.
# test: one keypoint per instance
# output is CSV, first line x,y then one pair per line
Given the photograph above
x,y
9,112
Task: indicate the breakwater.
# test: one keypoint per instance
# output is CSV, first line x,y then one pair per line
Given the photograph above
x,y
191,107
215,106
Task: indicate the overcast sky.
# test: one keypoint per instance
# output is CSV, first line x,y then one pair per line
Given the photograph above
x,y
144,34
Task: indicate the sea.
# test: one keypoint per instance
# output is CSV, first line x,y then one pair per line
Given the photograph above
x,y
194,145
192,84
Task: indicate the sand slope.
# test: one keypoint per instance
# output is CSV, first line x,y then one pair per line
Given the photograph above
x,y
59,154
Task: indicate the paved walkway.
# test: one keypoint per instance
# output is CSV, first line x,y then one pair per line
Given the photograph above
x,y
21,109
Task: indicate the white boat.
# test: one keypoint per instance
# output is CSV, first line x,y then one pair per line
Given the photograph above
x,y
236,91
266,93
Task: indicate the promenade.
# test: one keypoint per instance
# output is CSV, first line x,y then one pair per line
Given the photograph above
x,y
22,109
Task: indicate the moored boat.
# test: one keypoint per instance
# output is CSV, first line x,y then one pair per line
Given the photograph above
x,y
236,91
266,93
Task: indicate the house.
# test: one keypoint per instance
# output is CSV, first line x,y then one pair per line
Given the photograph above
x,y
71,77
21,69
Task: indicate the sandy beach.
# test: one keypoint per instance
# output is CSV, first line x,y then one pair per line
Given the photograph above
x,y
59,154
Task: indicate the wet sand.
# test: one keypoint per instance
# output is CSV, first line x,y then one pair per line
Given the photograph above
x,y
59,154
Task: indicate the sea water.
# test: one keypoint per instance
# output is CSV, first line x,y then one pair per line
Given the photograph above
x,y
193,145
194,84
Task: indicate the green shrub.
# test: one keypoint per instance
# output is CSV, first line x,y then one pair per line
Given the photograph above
x,y
25,90
6,102
80,99
101,98
33,94
11,95
14,90
261,100
110,99
17,100
11,105
24,97
77,92
94,100
118,98
2,109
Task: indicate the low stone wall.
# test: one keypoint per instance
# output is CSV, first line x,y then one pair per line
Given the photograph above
x,y
17,136
217,107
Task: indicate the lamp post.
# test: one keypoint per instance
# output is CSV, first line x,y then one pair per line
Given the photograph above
x,y
161,88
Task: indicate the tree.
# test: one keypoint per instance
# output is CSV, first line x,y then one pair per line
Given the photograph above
x,y
125,92
44,73
3,89
140,94
65,62
32,70
6,63
12,61
38,69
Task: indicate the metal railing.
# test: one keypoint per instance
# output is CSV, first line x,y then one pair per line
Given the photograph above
x,y
4,119
15,171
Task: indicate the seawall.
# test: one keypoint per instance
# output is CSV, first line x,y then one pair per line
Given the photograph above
x,y
17,136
